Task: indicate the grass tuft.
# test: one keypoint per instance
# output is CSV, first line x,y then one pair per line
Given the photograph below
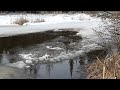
x,y
20,21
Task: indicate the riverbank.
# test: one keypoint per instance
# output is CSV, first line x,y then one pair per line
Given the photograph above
x,y
105,68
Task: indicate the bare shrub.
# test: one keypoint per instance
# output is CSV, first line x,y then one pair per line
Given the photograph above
x,y
108,68
20,21
109,34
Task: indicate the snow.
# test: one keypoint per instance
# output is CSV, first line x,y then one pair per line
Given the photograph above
x,y
28,61
53,48
91,47
62,56
27,56
27,66
69,55
45,57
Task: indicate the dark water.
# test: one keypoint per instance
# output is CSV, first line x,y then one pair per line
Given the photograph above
x,y
36,43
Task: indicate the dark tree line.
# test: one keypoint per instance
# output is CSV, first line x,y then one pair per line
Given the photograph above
x,y
41,12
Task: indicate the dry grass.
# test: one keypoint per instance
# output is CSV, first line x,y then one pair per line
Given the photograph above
x,y
39,20
20,21
108,68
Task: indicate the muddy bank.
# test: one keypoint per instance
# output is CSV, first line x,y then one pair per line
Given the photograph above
x,y
96,53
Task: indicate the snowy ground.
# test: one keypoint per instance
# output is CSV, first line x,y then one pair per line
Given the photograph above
x,y
82,21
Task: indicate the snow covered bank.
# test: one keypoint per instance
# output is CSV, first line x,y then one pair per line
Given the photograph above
x,y
9,19
82,21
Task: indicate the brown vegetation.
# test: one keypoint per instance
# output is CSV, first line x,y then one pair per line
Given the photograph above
x,y
108,68
20,21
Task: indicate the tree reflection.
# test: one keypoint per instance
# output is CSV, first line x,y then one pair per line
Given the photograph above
x,y
49,67
34,70
71,62
81,62
66,43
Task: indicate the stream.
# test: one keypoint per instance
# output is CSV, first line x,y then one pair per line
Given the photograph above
x,y
43,55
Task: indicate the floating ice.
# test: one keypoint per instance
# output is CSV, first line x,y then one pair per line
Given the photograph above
x,y
19,64
27,56
28,61
27,66
45,57
69,55
53,48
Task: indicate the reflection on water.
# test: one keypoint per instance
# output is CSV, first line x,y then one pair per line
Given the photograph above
x,y
71,66
49,67
67,69
61,70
